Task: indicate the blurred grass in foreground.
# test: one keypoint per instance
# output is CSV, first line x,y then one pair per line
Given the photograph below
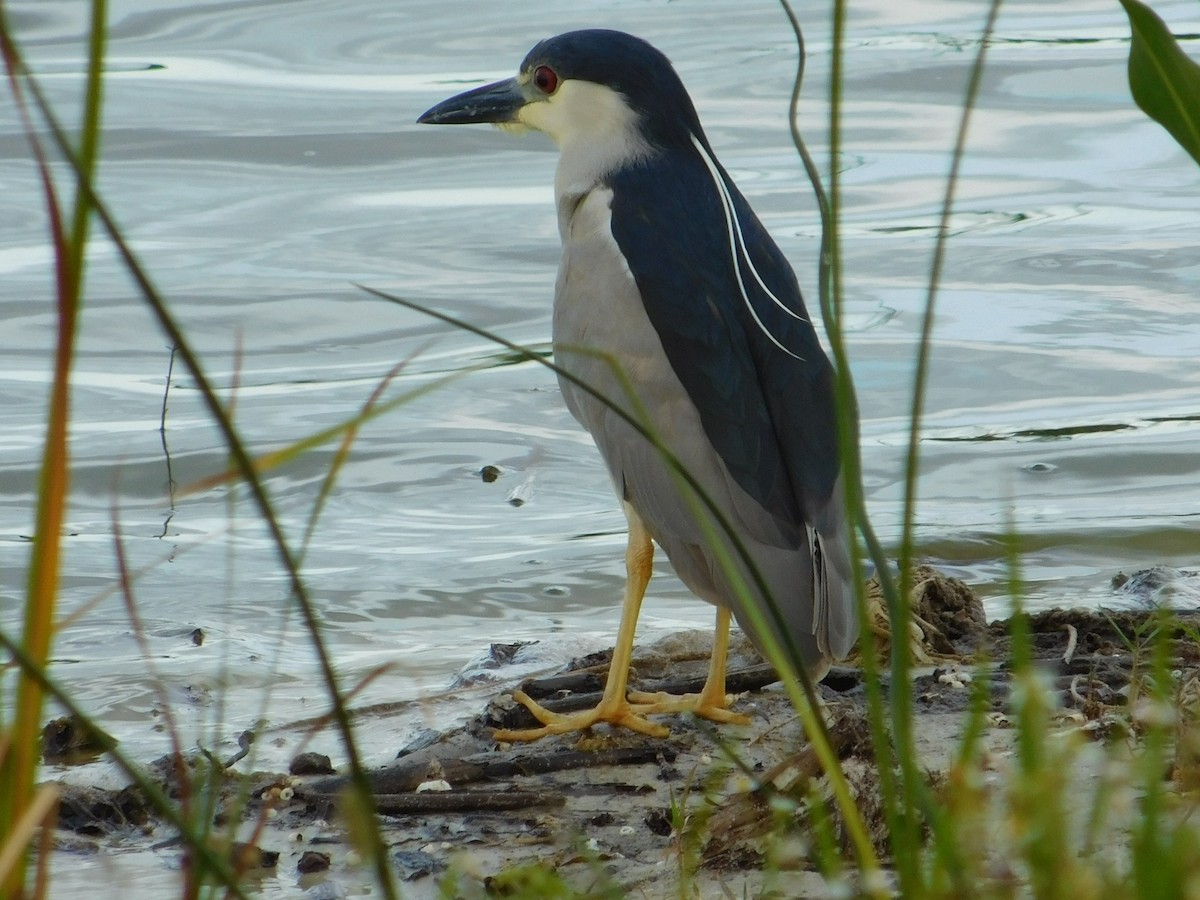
x,y
1023,827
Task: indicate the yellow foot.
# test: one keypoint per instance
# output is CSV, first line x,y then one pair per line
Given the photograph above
x,y
618,712
708,707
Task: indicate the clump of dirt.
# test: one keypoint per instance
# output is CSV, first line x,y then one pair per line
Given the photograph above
x,y
950,613
947,620
95,811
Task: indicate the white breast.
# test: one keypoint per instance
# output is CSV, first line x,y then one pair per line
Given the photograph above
x,y
597,306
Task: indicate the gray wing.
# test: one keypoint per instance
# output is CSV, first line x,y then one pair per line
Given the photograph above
x,y
721,405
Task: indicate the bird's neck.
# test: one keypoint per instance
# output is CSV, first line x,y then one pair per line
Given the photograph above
x,y
589,159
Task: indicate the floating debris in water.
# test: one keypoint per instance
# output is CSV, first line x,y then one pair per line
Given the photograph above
x,y
522,493
1040,468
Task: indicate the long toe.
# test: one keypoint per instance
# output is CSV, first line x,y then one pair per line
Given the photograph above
x,y
620,713
713,708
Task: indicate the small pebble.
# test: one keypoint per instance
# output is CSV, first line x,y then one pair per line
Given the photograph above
x,y
313,861
413,865
659,822
71,739
439,784
954,677
311,764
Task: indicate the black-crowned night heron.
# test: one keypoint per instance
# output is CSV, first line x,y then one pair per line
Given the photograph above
x,y
674,304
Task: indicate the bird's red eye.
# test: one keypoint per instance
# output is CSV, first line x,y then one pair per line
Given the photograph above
x,y
546,79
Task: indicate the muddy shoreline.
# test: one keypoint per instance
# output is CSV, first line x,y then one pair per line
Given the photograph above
x,y
622,812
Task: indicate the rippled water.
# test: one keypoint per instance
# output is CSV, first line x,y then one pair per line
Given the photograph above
x,y
263,158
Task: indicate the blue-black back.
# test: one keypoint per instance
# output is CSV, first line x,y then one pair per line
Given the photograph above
x,y
769,415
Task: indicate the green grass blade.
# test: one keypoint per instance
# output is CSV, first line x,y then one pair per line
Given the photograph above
x,y
19,765
636,420
89,135
339,460
1164,81
237,449
205,856
829,299
800,689
916,795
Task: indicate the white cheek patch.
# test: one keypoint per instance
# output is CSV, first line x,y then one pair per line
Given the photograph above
x,y
582,112
595,129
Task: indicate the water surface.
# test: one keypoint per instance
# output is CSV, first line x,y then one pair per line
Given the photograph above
x,y
264,160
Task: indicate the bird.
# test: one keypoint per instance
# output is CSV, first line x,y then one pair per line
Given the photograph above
x,y
683,345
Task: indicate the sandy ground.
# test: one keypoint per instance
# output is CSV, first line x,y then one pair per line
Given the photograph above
x,y
618,810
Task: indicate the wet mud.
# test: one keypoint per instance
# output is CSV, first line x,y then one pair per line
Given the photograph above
x,y
611,809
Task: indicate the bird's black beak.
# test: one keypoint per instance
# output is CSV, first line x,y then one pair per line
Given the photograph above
x,y
496,103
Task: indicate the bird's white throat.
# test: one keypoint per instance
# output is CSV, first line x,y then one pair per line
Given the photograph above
x,y
595,129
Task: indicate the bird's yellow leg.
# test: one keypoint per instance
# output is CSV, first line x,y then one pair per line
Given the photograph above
x,y
614,708
712,702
